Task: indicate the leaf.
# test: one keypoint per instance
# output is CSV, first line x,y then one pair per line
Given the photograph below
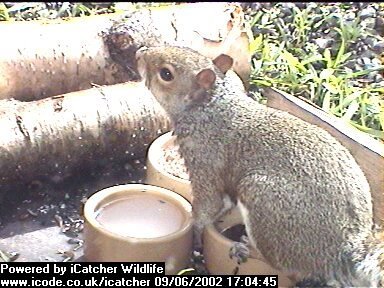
x,y
345,57
311,59
341,51
257,65
264,19
255,19
293,61
326,102
352,109
351,97
363,72
261,82
373,132
4,15
327,57
330,87
381,117
326,73
256,44
22,6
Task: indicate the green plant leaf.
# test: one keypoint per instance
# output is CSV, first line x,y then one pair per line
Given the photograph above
x,y
293,61
257,65
311,59
261,82
351,97
326,73
330,87
381,116
373,132
4,15
363,72
327,102
328,58
256,44
352,109
341,51
344,57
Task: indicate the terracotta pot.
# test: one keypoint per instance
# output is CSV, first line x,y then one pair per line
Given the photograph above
x,y
156,175
163,217
216,252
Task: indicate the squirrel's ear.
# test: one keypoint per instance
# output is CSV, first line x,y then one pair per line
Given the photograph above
x,y
205,78
223,62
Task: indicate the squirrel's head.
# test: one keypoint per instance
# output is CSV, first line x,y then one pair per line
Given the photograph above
x,y
180,77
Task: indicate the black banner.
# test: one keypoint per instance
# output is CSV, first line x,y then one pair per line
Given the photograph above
x,y
112,274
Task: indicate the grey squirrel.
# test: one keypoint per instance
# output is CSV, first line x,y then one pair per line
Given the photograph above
x,y
305,202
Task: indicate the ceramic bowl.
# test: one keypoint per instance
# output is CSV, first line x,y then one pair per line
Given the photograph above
x,y
138,223
157,175
217,246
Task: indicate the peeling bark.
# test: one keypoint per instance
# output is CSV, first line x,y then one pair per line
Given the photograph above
x,y
56,57
57,135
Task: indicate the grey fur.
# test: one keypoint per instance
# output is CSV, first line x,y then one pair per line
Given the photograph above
x,y
308,202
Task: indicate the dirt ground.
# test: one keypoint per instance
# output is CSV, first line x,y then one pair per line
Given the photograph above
x,y
30,226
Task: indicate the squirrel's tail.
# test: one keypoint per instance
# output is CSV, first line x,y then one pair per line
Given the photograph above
x,y
371,267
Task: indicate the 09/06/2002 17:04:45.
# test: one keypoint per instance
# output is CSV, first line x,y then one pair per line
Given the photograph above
x,y
253,281
217,281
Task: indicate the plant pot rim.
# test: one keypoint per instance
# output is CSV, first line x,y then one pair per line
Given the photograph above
x,y
104,196
153,155
214,231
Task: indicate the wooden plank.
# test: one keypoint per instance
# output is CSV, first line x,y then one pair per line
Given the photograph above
x,y
368,152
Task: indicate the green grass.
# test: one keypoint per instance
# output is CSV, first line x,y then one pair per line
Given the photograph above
x,y
287,61
24,11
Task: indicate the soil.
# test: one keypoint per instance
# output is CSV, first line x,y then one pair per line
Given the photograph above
x,y
172,162
46,205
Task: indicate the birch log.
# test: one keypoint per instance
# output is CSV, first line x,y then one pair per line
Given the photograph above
x,y
60,134
39,59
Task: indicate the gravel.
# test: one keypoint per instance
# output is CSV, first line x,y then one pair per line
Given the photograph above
x,y
365,50
363,23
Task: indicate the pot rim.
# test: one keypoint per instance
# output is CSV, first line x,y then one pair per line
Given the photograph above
x,y
215,232
96,199
154,151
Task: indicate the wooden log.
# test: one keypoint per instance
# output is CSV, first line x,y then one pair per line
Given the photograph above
x,y
368,152
57,136
39,59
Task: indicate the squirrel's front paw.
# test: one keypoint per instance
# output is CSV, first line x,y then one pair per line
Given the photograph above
x,y
240,250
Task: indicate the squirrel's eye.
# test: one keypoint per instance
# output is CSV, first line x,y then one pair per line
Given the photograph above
x,y
166,75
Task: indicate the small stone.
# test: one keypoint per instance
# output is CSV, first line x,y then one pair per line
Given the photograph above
x,y
378,77
369,41
358,67
350,16
367,53
287,5
301,5
323,42
333,20
334,9
366,60
379,25
348,70
367,12
370,23
376,62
